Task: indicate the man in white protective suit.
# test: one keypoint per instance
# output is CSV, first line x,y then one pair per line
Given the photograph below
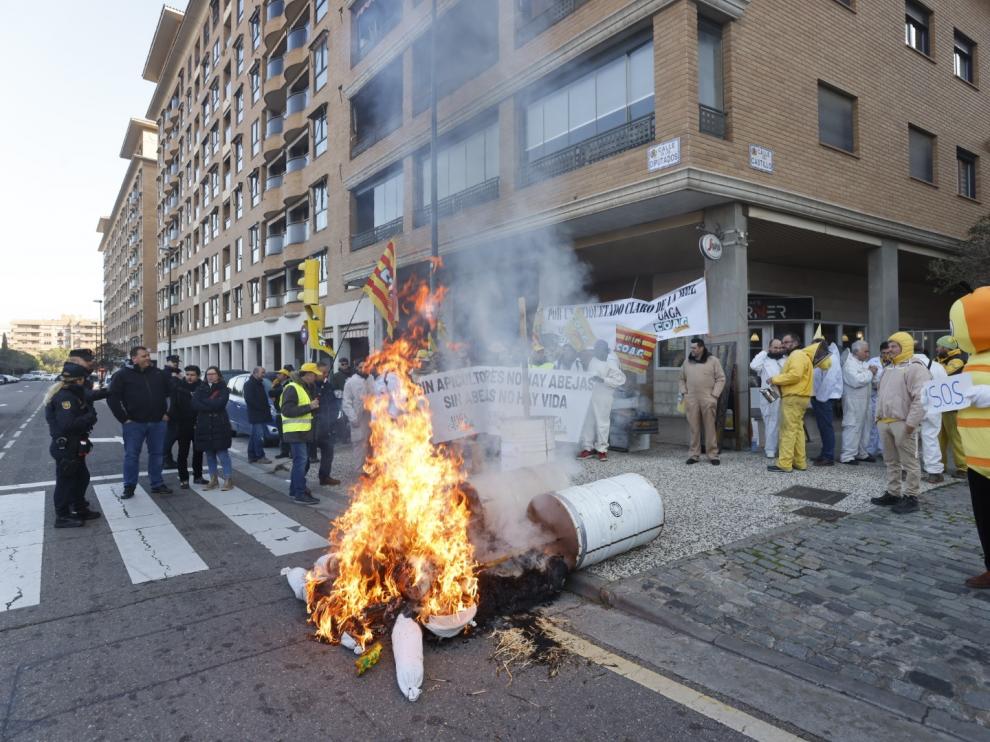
x,y
607,377
931,426
857,378
769,363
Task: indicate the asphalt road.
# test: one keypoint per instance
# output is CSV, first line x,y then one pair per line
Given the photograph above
x,y
223,651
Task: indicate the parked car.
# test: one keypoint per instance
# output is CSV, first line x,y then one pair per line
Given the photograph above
x,y
33,376
3,379
237,409
9,379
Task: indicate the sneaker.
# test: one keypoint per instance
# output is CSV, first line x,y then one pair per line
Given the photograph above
x,y
886,500
602,456
715,462
184,484
691,460
329,482
935,478
128,493
980,582
774,467
67,521
199,480
306,500
585,454
851,462
907,504
86,514
162,489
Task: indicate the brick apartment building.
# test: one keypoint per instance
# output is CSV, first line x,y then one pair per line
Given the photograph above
x,y
835,149
130,243
37,335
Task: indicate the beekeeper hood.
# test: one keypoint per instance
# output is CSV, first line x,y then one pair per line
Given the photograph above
x,y
970,319
906,342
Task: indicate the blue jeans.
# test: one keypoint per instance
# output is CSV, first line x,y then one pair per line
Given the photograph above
x,y
135,434
300,465
256,445
224,456
823,416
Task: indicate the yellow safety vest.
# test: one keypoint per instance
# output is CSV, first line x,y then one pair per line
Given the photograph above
x,y
301,424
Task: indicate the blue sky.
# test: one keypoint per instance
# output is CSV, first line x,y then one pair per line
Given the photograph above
x,y
70,74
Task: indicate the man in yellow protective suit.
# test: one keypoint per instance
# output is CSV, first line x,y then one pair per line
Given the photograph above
x,y
970,318
796,384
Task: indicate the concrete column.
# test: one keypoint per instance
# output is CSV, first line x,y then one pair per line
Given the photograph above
x,y
883,300
214,354
728,322
289,350
268,352
237,354
224,361
249,354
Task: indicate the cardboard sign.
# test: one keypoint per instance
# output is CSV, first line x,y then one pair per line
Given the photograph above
x,y
634,349
946,395
476,399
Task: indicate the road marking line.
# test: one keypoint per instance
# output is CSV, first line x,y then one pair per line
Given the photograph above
x,y
272,529
29,485
714,709
16,433
116,439
22,533
2,454
9,444
150,545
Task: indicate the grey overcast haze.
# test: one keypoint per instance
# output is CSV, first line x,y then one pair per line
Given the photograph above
x,y
71,79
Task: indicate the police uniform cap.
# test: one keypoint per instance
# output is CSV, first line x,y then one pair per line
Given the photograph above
x,y
74,371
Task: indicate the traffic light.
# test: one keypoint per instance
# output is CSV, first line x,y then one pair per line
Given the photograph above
x,y
310,282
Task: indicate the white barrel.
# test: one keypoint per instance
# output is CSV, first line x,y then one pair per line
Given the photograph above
x,y
612,516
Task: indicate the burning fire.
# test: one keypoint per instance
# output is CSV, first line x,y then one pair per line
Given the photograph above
x,y
403,541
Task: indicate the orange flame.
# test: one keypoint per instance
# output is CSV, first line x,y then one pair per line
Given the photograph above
x,y
404,537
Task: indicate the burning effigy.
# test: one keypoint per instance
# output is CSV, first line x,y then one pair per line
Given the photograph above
x,y
417,546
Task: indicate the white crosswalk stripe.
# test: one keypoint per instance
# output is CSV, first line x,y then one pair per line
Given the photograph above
x,y
276,532
22,532
150,545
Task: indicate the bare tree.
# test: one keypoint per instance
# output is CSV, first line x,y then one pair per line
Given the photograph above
x,y
971,269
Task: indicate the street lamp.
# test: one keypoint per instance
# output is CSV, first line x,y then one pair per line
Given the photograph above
x,y
99,333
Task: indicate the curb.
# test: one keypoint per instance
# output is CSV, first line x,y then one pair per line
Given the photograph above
x,y
594,588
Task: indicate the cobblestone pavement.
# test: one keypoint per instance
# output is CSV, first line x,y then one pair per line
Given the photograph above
x,y
873,604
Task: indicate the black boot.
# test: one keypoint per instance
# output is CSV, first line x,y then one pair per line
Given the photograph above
x,y
85,514
67,521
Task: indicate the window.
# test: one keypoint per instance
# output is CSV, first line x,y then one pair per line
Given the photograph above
x,y
966,165
255,137
320,65
238,254
370,21
710,79
240,9
962,58
254,243
917,21
319,198
376,109
255,30
320,132
239,55
254,291
378,210
238,302
238,203
255,83
239,105
922,154
254,187
320,10
216,53
238,155
836,118
462,165
617,92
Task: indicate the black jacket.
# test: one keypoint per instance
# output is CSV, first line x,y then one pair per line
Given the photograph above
x,y
212,423
69,414
141,396
329,411
182,412
275,395
256,400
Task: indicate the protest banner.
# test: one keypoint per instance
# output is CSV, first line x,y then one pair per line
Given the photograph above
x,y
634,349
476,399
681,313
946,395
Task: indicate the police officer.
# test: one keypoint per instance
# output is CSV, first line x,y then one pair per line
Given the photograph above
x,y
87,359
70,417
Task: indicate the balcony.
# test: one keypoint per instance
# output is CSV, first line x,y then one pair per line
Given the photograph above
x,y
530,26
274,244
295,115
274,9
296,51
372,236
636,133
297,232
297,38
487,191
711,121
275,301
273,181
295,164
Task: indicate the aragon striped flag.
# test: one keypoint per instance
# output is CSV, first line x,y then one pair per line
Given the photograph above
x,y
382,290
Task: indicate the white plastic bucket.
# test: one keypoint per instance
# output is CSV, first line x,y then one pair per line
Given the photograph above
x,y
608,517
